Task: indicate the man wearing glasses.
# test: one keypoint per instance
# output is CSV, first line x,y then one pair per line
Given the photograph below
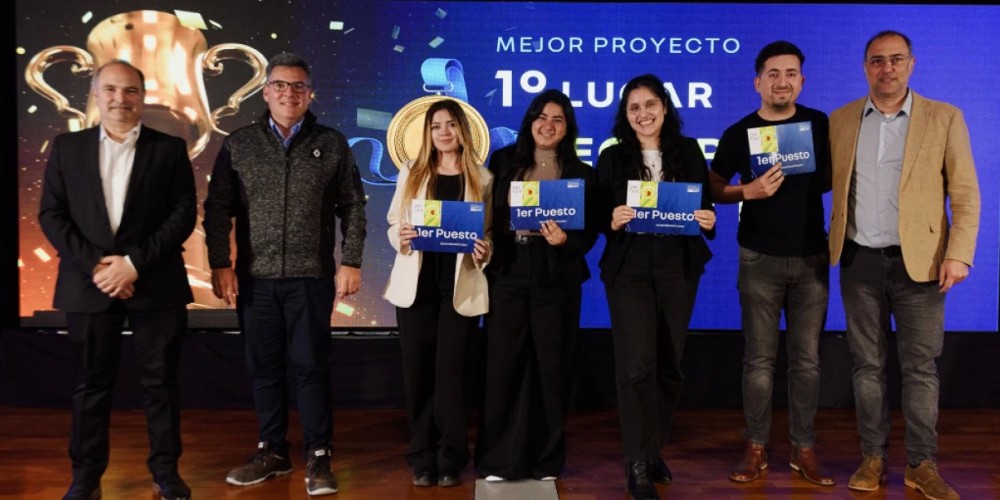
x,y
285,179
897,157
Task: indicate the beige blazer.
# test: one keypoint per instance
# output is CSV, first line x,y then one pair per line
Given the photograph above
x,y
937,163
471,297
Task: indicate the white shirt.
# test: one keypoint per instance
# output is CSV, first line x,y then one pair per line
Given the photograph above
x,y
653,159
116,161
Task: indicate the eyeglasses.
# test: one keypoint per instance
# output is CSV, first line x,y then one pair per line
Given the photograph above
x,y
649,105
281,86
879,61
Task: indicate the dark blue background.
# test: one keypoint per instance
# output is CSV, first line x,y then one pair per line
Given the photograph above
x,y
955,62
364,67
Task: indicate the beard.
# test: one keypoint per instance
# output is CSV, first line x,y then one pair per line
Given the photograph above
x,y
781,107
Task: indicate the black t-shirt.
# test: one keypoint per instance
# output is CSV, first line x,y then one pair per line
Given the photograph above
x,y
448,187
790,223
437,269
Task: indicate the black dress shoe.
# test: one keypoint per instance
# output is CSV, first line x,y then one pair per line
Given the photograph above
x,y
448,479
83,491
171,487
639,485
659,472
424,478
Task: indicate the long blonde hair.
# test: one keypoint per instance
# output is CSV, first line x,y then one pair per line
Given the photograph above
x,y
424,165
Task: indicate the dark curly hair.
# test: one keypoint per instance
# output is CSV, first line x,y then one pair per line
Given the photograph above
x,y
670,133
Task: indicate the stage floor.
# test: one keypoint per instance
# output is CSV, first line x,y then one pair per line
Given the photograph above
x,y
369,447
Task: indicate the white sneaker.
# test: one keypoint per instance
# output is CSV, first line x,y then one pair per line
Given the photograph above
x,y
493,479
548,478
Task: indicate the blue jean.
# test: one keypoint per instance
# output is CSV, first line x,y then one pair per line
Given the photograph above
x,y
286,322
800,286
875,286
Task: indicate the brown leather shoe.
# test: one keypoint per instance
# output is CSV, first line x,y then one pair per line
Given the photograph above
x,y
925,479
870,474
807,463
754,460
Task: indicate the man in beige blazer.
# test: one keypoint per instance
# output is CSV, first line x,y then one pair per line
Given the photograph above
x,y
897,157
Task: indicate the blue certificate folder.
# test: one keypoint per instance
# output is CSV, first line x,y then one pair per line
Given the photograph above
x,y
788,143
664,207
446,226
532,202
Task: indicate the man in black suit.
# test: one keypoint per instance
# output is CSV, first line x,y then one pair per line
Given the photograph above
x,y
118,203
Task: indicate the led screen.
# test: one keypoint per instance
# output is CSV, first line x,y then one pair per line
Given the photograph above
x,y
370,58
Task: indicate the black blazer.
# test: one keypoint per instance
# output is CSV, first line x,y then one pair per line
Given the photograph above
x,y
566,263
159,214
614,170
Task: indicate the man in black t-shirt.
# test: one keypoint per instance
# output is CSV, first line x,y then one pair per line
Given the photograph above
x,y
784,262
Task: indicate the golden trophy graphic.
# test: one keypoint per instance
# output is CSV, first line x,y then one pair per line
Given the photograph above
x,y
172,57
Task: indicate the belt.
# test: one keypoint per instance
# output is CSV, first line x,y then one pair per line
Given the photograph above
x,y
528,239
889,251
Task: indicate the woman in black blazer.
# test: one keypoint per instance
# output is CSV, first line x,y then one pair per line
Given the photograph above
x,y
651,280
534,304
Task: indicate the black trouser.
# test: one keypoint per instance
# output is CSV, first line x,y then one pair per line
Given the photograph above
x,y
650,302
157,335
433,338
286,327
531,331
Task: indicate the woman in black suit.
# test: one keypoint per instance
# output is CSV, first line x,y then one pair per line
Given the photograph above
x,y
651,280
534,304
